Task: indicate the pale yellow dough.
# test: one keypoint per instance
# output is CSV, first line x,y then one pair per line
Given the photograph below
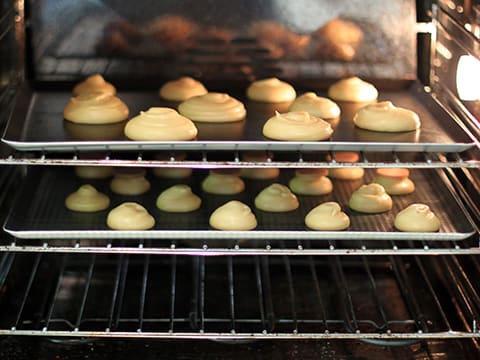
x,y
213,107
93,172
346,173
182,89
223,183
311,182
262,173
130,216
276,198
370,199
271,90
297,126
172,172
160,124
234,215
385,117
417,218
130,182
315,105
327,216
178,199
395,181
95,108
94,84
87,199
353,89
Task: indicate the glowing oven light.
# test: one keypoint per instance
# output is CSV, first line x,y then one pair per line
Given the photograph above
x,y
468,78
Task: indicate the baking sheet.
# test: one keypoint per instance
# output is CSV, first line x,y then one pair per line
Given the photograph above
x,y
37,124
39,211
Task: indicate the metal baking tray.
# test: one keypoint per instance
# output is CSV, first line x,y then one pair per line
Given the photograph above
x,y
37,124
39,211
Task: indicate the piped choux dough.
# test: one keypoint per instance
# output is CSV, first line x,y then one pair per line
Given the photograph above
x,y
370,199
172,172
94,84
130,216
95,108
395,181
178,199
182,89
87,199
297,126
311,182
276,198
223,183
353,89
346,173
417,218
262,173
315,105
213,107
94,172
160,124
234,215
271,90
327,216
130,182
386,117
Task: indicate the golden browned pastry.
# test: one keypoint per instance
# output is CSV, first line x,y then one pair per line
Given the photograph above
x,y
87,199
94,84
395,181
182,89
172,172
95,108
297,126
353,89
130,216
417,218
271,90
93,172
234,215
385,117
276,198
173,32
315,105
130,182
311,182
346,173
259,173
327,216
370,199
179,199
213,107
160,124
223,183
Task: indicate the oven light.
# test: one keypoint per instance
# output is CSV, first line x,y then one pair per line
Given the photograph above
x,y
468,78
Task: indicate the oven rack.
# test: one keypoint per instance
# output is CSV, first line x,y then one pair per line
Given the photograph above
x,y
228,298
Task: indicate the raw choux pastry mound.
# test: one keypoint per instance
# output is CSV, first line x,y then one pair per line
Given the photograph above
x,y
130,216
297,126
261,173
353,89
386,117
223,183
213,107
160,124
94,84
276,198
182,89
172,172
311,182
271,90
370,199
178,199
417,218
87,199
93,172
129,182
234,215
315,105
395,181
95,108
346,173
327,216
